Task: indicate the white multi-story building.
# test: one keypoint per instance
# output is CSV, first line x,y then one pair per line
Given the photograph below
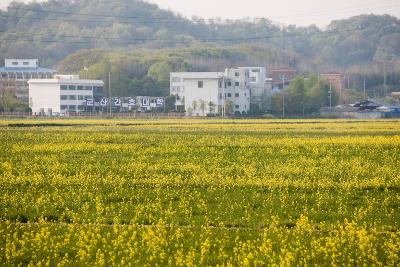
x,y
63,94
16,73
211,93
197,92
260,87
236,91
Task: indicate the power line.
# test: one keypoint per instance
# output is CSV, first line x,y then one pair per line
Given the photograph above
x,y
325,12
205,40
93,21
86,14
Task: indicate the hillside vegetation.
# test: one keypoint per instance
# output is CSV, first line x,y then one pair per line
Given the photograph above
x,y
128,25
152,40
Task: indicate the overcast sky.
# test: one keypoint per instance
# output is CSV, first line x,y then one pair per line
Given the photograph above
x,y
300,12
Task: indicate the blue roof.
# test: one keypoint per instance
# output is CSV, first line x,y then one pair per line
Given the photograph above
x,y
39,69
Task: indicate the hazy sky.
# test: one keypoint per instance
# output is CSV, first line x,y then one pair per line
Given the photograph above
x,y
300,12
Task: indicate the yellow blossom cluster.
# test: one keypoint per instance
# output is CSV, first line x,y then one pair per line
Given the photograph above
x,y
189,192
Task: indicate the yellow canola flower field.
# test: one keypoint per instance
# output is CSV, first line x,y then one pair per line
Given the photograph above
x,y
187,192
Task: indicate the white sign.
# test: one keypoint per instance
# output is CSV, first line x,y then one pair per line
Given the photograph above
x,y
132,102
103,102
145,102
160,102
89,102
117,102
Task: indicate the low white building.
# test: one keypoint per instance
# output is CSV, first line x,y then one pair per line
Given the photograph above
x,y
63,94
211,93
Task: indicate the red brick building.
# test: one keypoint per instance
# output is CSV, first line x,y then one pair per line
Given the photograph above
x,y
282,75
334,78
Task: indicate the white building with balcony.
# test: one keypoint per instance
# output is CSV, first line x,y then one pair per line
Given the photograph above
x,y
230,92
63,94
211,93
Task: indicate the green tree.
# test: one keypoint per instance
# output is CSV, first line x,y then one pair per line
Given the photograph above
x,y
304,95
295,97
160,71
229,107
194,105
170,103
202,106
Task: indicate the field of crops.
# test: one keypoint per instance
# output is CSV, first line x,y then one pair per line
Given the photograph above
x,y
199,192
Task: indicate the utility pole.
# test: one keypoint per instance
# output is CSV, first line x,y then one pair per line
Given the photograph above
x,y
330,95
109,91
365,95
223,97
384,78
283,96
340,91
348,82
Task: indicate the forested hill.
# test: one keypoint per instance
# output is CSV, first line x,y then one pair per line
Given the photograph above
x,y
54,29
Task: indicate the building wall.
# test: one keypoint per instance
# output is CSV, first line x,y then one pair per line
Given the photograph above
x,y
61,96
79,100
237,89
43,97
209,93
21,63
17,72
260,90
177,87
278,74
335,79
233,84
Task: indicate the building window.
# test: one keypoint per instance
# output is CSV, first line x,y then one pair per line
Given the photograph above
x,y
236,83
72,97
253,79
63,97
98,89
64,87
64,107
88,88
72,107
176,79
219,84
25,63
255,70
15,63
81,107
237,95
80,97
229,83
229,94
200,84
80,87
220,95
71,87
236,74
237,106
